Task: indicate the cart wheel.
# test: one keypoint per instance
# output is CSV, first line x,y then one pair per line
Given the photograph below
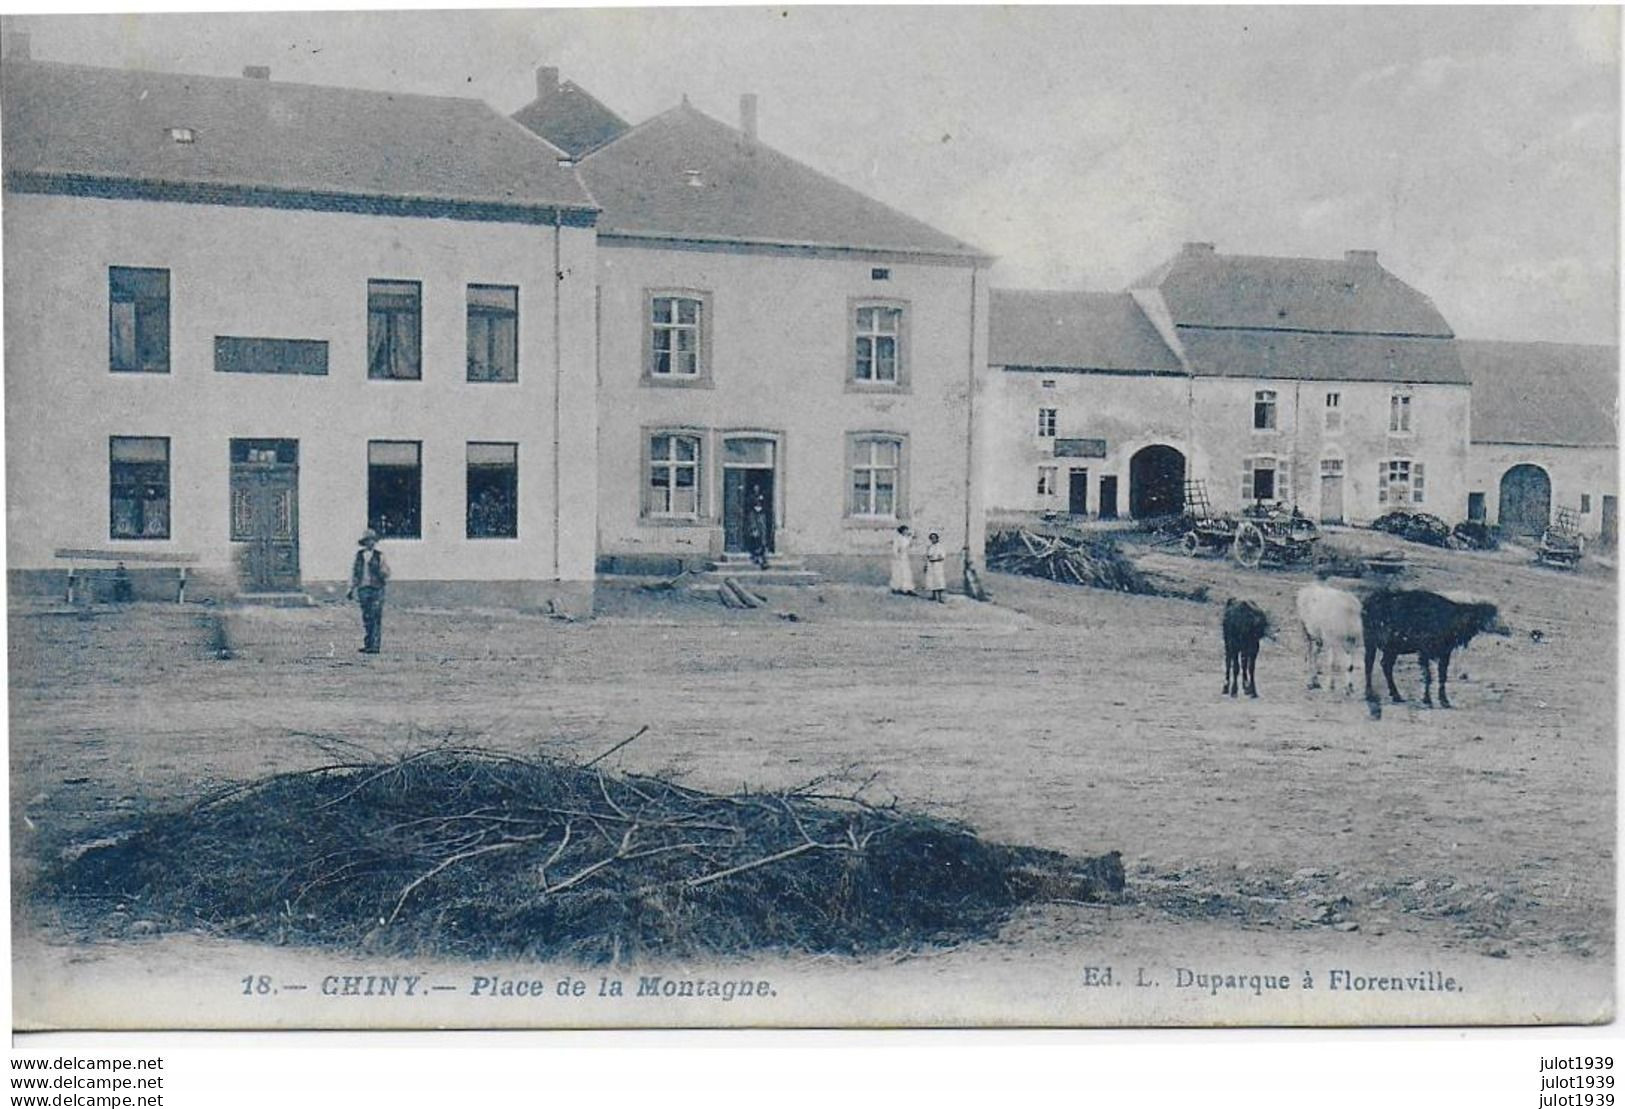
x,y
1249,545
1191,543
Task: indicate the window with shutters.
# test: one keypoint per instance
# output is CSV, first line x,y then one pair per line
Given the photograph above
x,y
1400,482
138,481
493,491
1259,480
1264,410
878,345
493,333
394,330
1334,412
137,320
677,337
395,488
1399,413
876,463
672,488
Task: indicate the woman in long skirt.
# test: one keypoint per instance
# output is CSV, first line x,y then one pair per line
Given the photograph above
x,y
902,571
936,578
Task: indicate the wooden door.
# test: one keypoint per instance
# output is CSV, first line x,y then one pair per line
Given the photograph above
x,y
1526,500
265,514
1331,491
1610,521
734,508
1077,492
1108,497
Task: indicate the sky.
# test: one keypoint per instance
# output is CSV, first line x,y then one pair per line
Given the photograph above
x,y
1476,150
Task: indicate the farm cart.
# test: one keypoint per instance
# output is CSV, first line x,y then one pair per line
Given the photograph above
x,y
1562,545
1274,533
1205,531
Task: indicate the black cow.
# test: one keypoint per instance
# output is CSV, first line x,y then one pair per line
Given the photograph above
x,y
1244,625
1416,622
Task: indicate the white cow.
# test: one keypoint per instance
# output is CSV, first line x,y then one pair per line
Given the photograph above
x,y
1331,624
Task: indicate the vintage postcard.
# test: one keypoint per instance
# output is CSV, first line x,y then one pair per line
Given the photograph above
x,y
777,517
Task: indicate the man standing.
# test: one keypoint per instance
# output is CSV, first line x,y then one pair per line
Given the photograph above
x,y
757,531
368,577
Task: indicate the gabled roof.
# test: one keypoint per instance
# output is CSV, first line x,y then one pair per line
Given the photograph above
x,y
88,126
683,175
572,119
1558,394
1035,329
1356,295
1309,356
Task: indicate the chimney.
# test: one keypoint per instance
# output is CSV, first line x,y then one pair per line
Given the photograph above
x,y
18,46
1360,257
1198,248
257,72
547,81
747,115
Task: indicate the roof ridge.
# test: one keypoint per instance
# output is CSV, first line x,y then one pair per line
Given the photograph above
x,y
634,129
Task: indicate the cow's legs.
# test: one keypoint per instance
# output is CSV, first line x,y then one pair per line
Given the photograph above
x,y
1427,680
1350,651
1231,664
1444,665
1370,657
1389,657
1316,655
1249,658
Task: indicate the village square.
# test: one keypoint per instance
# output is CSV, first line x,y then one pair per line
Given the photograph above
x,y
550,537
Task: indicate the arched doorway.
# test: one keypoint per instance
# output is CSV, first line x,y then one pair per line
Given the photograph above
x,y
1526,500
1156,482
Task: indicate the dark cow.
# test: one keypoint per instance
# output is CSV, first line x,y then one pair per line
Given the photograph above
x,y
1416,622
1244,625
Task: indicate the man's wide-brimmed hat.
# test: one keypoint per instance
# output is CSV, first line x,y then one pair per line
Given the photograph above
x,y
368,536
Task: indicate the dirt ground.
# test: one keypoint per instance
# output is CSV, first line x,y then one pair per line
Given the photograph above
x,y
1063,717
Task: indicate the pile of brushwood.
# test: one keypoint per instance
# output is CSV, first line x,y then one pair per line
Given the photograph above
x,y
1073,560
464,852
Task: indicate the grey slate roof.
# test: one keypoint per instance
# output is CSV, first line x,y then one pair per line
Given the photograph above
x,y
1075,331
1302,318
1559,394
684,175
1207,289
113,124
572,119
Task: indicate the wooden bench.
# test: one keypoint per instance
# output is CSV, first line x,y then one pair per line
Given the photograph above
x,y
77,555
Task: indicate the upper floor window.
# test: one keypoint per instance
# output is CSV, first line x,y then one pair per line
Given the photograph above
x,y
877,476
138,484
138,320
394,330
1399,414
877,344
1046,423
677,337
673,488
493,333
1334,411
1264,410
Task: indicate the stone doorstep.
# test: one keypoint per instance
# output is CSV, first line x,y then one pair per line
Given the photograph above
x,y
276,600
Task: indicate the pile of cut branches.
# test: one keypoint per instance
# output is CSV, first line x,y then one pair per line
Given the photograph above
x,y
1073,561
465,852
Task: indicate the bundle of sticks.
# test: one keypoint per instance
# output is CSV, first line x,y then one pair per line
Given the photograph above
x,y
1094,562
462,851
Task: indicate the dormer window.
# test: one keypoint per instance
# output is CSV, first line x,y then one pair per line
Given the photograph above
x,y
183,135
693,179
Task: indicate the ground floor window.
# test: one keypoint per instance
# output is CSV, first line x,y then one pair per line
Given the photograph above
x,y
876,466
138,481
673,488
395,488
1046,481
493,490
1260,480
1585,504
1400,482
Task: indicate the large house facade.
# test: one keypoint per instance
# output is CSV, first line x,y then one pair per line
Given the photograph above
x,y
247,319
1327,385
769,335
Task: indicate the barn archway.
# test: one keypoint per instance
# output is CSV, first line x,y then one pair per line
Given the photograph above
x,y
1156,482
1526,500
